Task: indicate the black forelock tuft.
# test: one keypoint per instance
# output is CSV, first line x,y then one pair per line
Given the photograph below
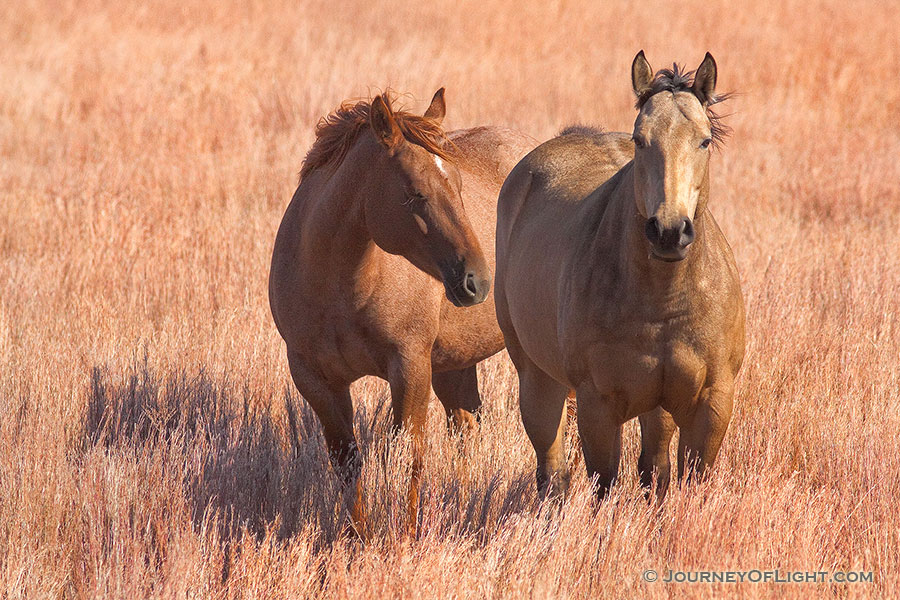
x,y
677,79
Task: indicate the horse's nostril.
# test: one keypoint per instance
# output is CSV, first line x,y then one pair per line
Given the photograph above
x,y
470,285
677,237
687,232
653,230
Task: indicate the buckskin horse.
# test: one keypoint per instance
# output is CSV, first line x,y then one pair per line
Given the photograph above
x,y
614,280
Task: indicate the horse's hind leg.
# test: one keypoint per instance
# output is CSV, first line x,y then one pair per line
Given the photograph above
x,y
657,429
458,392
702,431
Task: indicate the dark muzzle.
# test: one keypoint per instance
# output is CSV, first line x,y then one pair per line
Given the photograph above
x,y
465,287
669,243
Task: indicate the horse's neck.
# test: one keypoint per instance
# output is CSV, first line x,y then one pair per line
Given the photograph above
x,y
336,242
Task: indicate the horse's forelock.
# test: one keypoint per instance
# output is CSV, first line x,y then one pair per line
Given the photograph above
x,y
677,79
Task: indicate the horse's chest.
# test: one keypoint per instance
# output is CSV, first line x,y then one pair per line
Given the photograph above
x,y
340,350
348,342
646,369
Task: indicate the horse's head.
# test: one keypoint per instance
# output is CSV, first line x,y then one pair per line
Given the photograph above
x,y
673,135
419,213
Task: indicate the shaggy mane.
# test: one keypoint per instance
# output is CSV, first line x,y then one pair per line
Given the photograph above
x,y
336,132
580,129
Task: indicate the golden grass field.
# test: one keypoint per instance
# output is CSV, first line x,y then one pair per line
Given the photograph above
x,y
147,152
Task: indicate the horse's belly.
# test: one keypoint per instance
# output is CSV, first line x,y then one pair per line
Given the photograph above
x,y
466,336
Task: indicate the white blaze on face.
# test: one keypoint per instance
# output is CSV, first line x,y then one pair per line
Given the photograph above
x,y
440,164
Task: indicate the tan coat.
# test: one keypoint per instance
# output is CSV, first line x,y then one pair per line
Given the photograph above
x,y
613,279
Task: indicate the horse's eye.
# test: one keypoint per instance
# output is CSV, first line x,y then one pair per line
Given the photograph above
x,y
705,143
639,141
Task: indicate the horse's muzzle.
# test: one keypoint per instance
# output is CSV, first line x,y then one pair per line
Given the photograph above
x,y
669,243
465,287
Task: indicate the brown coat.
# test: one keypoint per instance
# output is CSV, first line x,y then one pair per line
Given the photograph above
x,y
378,266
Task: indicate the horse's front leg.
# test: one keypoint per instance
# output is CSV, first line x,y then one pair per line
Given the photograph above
x,y
657,429
410,381
333,406
600,428
703,428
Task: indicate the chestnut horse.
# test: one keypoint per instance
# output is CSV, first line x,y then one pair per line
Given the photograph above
x,y
378,269
613,279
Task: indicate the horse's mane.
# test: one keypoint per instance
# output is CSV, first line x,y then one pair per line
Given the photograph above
x,y
677,79
580,129
336,132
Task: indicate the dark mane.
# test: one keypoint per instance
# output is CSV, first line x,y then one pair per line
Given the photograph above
x,y
580,129
336,132
677,79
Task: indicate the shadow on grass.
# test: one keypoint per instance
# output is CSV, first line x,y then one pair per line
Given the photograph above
x,y
237,461
251,464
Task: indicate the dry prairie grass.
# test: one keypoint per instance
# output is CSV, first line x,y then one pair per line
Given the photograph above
x,y
146,155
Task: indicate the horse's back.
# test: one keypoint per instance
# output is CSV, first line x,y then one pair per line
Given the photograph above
x,y
490,152
542,213
484,156
559,175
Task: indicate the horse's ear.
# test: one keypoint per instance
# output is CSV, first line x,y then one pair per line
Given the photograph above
x,y
438,107
704,86
641,74
383,123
